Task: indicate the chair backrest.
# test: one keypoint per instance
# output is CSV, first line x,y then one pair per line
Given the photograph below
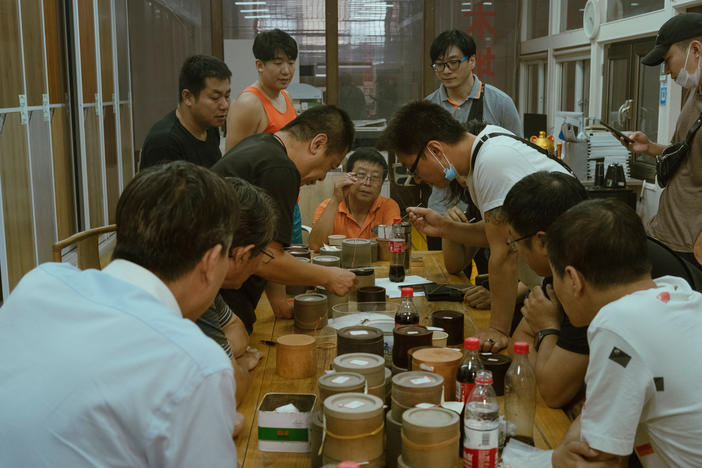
x,y
87,246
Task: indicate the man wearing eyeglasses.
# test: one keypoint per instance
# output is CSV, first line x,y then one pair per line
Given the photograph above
x,y
356,204
464,95
438,150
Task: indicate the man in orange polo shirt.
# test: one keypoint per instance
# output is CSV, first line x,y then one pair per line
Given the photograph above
x,y
356,204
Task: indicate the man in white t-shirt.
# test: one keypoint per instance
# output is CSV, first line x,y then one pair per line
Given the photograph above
x,y
438,150
643,378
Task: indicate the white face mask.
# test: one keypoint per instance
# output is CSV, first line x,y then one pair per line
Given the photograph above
x,y
450,172
684,78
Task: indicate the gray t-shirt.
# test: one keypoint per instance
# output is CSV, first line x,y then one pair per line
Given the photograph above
x,y
498,109
678,221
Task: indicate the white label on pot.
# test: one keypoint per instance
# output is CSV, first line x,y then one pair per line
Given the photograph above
x,y
424,405
358,362
358,332
426,367
353,404
340,379
412,332
421,380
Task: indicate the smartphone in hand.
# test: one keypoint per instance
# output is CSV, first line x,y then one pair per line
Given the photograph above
x,y
616,132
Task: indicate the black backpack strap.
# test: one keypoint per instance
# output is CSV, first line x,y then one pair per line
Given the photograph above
x,y
692,131
476,108
526,142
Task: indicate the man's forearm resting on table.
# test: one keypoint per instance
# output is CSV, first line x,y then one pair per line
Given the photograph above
x,y
324,226
574,452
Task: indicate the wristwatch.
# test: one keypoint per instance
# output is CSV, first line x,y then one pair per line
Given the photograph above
x,y
543,334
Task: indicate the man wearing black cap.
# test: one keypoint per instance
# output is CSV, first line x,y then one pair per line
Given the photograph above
x,y
679,219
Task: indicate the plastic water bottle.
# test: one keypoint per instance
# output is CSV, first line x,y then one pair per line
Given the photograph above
x,y
520,394
407,313
481,425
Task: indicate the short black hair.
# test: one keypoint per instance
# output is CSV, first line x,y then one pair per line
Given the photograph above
x,y
268,42
366,153
258,216
196,69
452,37
334,122
603,239
534,203
416,123
169,215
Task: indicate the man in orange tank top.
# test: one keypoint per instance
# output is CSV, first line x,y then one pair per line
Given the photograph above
x,y
264,107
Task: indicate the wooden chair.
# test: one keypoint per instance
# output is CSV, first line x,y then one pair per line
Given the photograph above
x,y
87,246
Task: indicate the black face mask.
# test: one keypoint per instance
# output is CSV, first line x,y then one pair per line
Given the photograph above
x,y
669,161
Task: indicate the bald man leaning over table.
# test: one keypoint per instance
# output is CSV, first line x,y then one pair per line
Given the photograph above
x,y
299,154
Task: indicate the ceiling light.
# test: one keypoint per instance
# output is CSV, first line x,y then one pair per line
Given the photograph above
x,y
249,3
487,3
465,3
255,10
257,16
464,10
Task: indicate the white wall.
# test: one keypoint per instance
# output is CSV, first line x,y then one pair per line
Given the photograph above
x,y
553,46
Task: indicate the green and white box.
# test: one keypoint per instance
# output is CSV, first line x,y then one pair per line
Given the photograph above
x,y
284,431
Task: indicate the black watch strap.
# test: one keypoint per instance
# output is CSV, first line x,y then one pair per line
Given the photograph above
x,y
543,334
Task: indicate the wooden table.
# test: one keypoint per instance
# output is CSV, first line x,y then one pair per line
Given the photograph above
x,y
550,425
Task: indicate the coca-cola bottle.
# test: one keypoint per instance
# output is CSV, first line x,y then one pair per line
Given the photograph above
x,y
481,424
407,313
520,395
465,378
397,249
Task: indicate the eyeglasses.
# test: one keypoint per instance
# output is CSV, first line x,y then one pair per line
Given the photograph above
x,y
263,251
451,64
269,256
371,179
413,169
512,244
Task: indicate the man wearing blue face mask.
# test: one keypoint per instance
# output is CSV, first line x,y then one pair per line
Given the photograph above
x,y
483,163
679,219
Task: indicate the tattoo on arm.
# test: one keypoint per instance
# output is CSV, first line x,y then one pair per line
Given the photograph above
x,y
495,216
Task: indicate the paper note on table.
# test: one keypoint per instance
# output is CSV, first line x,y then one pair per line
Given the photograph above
x,y
393,289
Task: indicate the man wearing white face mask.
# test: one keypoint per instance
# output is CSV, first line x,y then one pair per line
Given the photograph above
x,y
679,219
484,162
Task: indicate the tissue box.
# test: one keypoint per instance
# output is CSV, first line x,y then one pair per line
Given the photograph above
x,y
285,432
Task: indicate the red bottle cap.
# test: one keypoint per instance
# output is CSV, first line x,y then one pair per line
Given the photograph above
x,y
396,220
407,292
521,347
348,464
471,343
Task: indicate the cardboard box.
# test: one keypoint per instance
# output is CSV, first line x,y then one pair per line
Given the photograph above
x,y
285,432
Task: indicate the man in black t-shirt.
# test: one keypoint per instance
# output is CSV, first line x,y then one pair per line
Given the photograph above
x,y
299,154
190,132
560,353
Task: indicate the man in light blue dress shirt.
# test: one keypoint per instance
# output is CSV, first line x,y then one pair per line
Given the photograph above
x,y
106,368
453,58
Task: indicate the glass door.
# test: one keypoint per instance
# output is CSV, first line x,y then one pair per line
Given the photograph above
x,y
631,96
